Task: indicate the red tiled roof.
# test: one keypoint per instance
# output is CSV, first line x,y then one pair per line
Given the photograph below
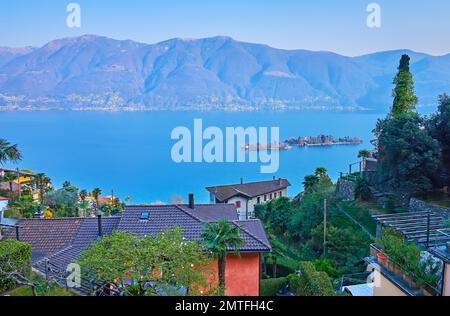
x,y
3,198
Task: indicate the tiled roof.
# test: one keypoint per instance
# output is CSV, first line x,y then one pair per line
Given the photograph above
x,y
87,234
255,227
3,198
46,235
213,212
250,190
164,218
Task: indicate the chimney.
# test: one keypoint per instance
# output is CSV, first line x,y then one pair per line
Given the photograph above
x,y
280,182
273,178
191,201
99,224
242,180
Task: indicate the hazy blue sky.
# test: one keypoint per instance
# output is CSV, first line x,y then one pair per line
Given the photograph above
x,y
335,25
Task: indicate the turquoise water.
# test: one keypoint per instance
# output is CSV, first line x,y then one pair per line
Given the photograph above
x,y
130,153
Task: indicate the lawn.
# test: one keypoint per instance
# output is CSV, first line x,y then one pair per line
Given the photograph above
x,y
26,291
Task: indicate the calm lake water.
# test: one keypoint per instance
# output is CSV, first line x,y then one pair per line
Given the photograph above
x,y
131,152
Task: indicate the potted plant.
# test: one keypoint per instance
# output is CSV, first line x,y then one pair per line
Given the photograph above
x,y
382,258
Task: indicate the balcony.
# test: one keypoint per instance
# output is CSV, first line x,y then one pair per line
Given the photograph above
x,y
406,281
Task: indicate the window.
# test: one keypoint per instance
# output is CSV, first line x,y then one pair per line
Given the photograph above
x,y
271,196
238,204
265,197
145,216
275,194
281,193
258,200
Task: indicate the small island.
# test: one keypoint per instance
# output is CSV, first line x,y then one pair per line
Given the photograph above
x,y
323,140
305,141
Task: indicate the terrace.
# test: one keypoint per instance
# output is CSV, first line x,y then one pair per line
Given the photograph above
x,y
414,259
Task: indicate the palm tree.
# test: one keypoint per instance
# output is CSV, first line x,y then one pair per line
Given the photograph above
x,y
8,152
363,154
10,177
83,195
321,172
42,182
96,193
218,238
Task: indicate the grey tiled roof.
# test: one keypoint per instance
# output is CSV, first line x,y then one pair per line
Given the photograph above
x,y
213,212
87,234
164,218
250,190
46,236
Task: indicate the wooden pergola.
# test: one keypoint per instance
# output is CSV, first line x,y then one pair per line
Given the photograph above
x,y
425,228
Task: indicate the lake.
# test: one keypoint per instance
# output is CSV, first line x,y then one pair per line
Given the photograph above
x,y
130,152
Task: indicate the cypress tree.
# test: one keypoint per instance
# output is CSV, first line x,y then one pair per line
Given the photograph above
x,y
405,100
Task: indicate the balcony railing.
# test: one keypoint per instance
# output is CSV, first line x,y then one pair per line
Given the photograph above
x,y
404,279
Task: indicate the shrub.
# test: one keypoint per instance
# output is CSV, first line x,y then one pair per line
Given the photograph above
x,y
314,283
362,189
14,255
270,287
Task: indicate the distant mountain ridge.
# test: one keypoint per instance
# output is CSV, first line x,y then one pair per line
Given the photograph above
x,y
212,73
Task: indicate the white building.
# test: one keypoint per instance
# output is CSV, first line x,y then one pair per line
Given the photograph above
x,y
3,205
246,195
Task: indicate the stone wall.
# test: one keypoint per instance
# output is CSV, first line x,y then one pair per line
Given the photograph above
x,y
345,189
416,205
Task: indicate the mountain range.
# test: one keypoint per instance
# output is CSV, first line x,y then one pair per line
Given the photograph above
x,y
219,72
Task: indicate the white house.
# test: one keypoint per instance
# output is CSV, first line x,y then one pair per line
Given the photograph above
x,y
246,195
3,205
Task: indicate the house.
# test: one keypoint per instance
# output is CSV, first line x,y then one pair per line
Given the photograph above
x,y
3,205
56,243
246,195
425,229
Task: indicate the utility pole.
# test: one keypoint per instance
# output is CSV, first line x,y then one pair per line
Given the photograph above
x,y
324,227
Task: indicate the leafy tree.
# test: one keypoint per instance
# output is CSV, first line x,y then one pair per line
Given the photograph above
x,y
10,177
161,265
65,201
309,215
25,206
408,156
278,214
312,282
345,246
439,127
42,183
317,181
325,265
405,100
9,152
218,238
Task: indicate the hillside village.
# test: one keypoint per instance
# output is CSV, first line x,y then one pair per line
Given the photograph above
x,y
383,229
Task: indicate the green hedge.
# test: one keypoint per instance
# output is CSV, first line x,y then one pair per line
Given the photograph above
x,y
270,287
17,254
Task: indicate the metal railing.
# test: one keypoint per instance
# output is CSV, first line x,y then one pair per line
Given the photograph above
x,y
408,277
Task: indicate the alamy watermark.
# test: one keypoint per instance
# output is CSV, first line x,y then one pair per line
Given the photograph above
x,y
74,17
235,144
374,17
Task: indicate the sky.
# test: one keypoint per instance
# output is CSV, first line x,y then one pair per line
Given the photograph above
x,y
331,25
